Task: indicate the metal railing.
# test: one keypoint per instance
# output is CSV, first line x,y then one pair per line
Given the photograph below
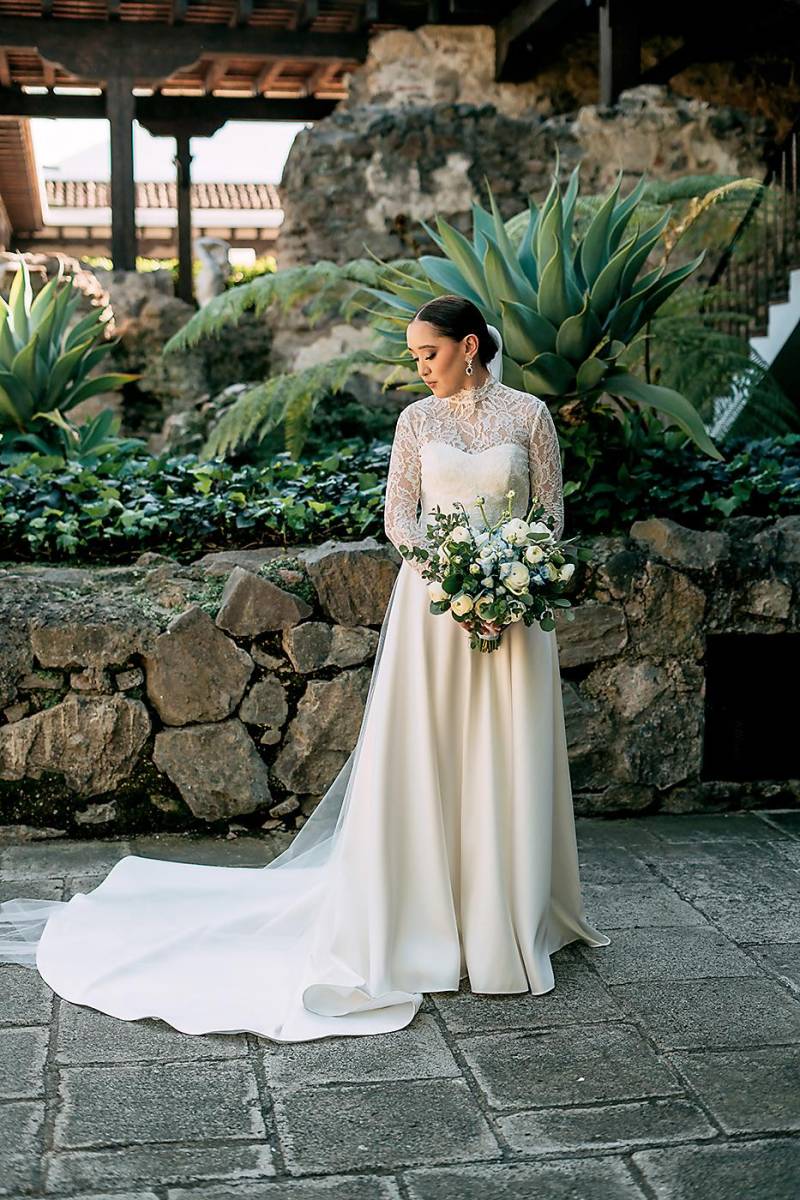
x,y
748,282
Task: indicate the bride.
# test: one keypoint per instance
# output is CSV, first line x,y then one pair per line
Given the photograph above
x,y
445,847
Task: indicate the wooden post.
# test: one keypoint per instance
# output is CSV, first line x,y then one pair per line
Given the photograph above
x,y
620,64
120,112
183,159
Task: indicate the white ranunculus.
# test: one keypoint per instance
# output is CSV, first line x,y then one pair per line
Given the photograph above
x,y
461,604
567,571
518,577
460,534
534,554
515,531
436,592
474,569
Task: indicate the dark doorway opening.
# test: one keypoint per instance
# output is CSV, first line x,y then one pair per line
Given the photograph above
x,y
752,715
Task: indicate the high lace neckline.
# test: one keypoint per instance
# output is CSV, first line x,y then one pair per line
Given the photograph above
x,y
466,398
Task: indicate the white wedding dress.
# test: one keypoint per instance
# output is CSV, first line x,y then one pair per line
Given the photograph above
x,y
445,847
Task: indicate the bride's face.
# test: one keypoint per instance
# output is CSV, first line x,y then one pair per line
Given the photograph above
x,y
440,360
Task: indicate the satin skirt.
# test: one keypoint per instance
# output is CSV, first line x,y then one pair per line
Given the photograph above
x,y
444,849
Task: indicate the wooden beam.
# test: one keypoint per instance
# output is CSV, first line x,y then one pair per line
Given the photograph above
x,y
192,109
183,160
152,50
620,64
5,71
215,72
267,76
120,112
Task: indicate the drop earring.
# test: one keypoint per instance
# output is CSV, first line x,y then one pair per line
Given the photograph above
x,y
469,366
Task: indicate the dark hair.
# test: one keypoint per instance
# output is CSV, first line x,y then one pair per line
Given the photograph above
x,y
455,317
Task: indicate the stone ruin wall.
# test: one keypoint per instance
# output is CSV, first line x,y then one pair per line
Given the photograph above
x,y
227,694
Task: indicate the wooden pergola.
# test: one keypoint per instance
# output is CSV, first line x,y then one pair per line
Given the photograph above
x,y
184,67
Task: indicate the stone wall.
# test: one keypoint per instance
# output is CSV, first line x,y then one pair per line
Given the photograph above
x,y
229,692
369,173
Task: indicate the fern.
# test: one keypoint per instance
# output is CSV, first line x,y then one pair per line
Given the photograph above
x,y
328,286
290,397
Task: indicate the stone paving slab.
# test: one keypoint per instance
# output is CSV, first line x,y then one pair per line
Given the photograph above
x,y
664,1066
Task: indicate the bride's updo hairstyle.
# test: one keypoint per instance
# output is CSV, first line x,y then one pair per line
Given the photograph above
x,y
455,317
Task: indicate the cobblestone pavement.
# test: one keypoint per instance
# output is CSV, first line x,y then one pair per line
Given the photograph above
x,y
662,1066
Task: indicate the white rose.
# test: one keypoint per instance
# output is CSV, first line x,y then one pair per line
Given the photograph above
x,y
566,571
518,577
436,591
534,554
460,534
515,531
461,604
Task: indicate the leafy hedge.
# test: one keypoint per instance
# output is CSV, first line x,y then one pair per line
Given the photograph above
x,y
184,507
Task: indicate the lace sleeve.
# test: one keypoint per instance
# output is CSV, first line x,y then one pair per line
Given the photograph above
x,y
544,459
403,488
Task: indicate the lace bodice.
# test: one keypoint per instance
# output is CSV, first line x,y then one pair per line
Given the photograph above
x,y
478,442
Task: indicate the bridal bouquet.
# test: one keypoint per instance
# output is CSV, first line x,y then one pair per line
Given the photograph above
x,y
488,578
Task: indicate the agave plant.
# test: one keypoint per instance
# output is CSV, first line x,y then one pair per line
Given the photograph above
x,y
45,364
568,307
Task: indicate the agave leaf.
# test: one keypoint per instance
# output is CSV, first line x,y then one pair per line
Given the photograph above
x,y
19,395
42,300
513,374
667,285
549,236
61,421
590,373
623,322
8,347
559,297
525,332
647,241
91,324
607,286
95,387
9,412
665,400
446,278
499,279
549,374
23,366
393,298
622,214
594,247
19,301
62,373
462,254
481,223
579,334
525,254
570,196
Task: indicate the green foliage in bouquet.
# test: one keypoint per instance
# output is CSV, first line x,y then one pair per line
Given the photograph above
x,y
512,570
45,367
